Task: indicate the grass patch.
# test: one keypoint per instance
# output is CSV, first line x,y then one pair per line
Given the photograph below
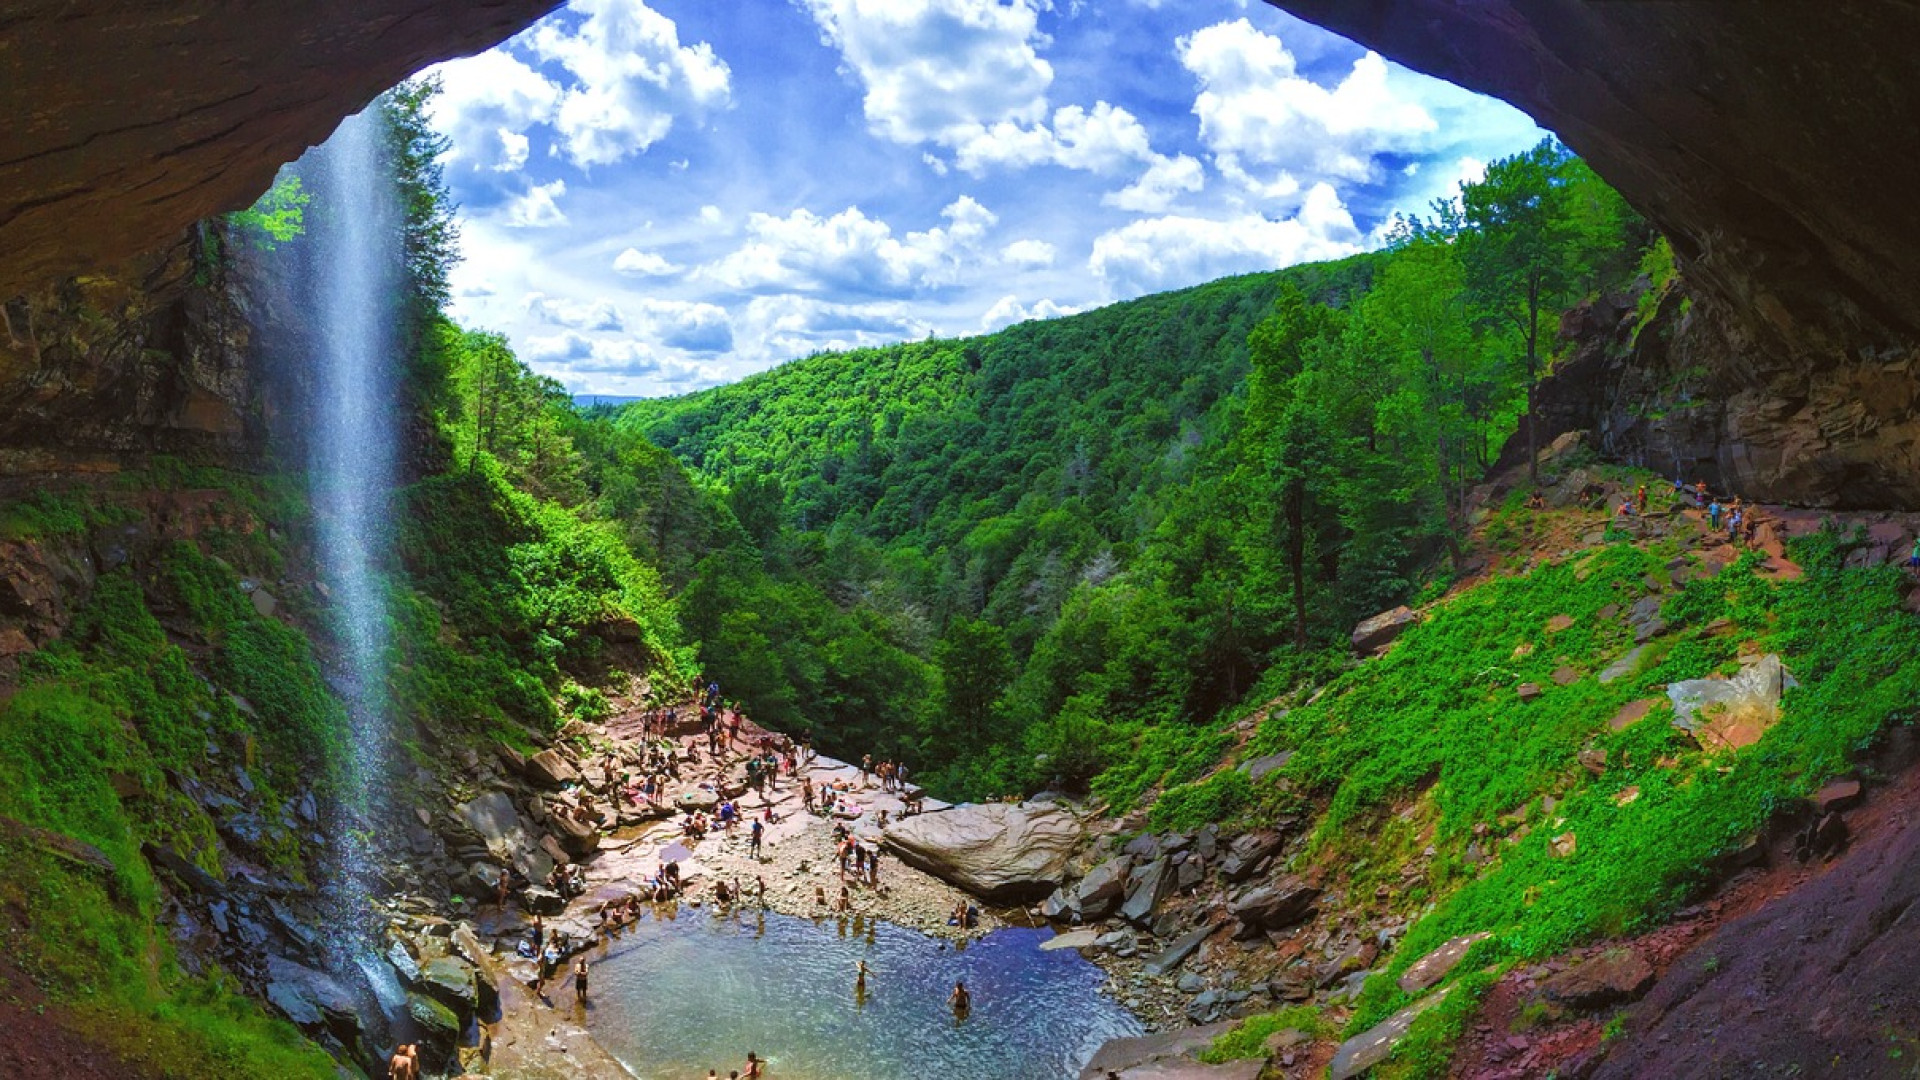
x,y
1249,1040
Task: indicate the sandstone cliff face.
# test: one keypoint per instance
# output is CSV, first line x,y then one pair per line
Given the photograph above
x,y
154,355
1774,145
128,121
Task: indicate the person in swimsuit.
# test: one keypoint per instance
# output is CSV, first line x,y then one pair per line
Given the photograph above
x,y
961,1001
580,980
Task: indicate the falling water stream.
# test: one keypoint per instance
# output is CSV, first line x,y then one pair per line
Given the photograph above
x,y
354,280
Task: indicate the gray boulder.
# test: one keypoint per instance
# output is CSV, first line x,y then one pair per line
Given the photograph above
x,y
507,836
1377,633
1274,907
1247,851
550,768
999,852
1147,886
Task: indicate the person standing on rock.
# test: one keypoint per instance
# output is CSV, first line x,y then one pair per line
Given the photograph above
x,y
1713,516
1640,499
580,980
753,838
866,770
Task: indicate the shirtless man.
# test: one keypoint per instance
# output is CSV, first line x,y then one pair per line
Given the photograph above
x,y
580,980
961,1001
401,1066
753,1066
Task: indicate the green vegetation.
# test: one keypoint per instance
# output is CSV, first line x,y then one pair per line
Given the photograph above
x,y
1249,1040
275,217
1152,504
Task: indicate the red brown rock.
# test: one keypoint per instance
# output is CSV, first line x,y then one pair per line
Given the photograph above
x,y
127,122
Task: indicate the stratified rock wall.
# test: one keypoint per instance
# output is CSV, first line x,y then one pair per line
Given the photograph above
x,y
127,121
1773,142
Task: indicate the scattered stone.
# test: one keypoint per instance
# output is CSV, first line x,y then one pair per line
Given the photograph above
x,y
1126,1055
1612,977
1433,967
1563,846
1626,796
1593,759
1624,666
1247,851
1559,623
1632,713
1146,887
1375,634
1370,1048
264,603
1176,954
1528,691
1645,619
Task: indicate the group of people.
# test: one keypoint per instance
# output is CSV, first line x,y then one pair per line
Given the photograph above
x,y
756,1068
892,775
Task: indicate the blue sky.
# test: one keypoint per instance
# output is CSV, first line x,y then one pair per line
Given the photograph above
x,y
657,197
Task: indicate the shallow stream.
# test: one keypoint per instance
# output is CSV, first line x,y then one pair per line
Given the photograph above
x,y
673,998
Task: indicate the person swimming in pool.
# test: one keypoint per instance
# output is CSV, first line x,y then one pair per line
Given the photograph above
x,y
960,999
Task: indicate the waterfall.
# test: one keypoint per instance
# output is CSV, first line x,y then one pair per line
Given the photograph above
x,y
353,275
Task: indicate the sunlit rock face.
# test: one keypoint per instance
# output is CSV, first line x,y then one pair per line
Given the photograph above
x,y
128,121
1776,146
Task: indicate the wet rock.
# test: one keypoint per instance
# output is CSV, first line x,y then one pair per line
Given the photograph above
x,y
1274,907
439,1026
1371,1047
1434,966
1177,953
1612,977
999,852
550,768
450,981
1382,630
1247,851
404,962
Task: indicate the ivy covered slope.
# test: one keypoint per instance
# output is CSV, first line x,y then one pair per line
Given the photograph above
x,y
1062,550
1511,766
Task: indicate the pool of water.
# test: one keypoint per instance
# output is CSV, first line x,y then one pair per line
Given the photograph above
x,y
674,997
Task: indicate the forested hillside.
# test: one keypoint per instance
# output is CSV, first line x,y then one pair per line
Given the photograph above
x,y
1016,558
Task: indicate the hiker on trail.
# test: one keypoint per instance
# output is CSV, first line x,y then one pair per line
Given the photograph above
x,y
1713,516
961,1001
580,980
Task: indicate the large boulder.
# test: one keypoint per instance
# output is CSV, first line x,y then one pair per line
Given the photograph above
x,y
576,838
550,768
1153,1052
506,834
1607,979
1377,633
1729,714
1277,906
1000,852
1376,1044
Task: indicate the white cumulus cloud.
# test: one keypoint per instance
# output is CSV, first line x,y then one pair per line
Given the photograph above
x,y
1153,254
854,252
485,106
1272,129
538,207
644,264
1009,310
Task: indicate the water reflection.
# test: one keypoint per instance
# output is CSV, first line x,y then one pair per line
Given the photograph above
x,y
676,997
